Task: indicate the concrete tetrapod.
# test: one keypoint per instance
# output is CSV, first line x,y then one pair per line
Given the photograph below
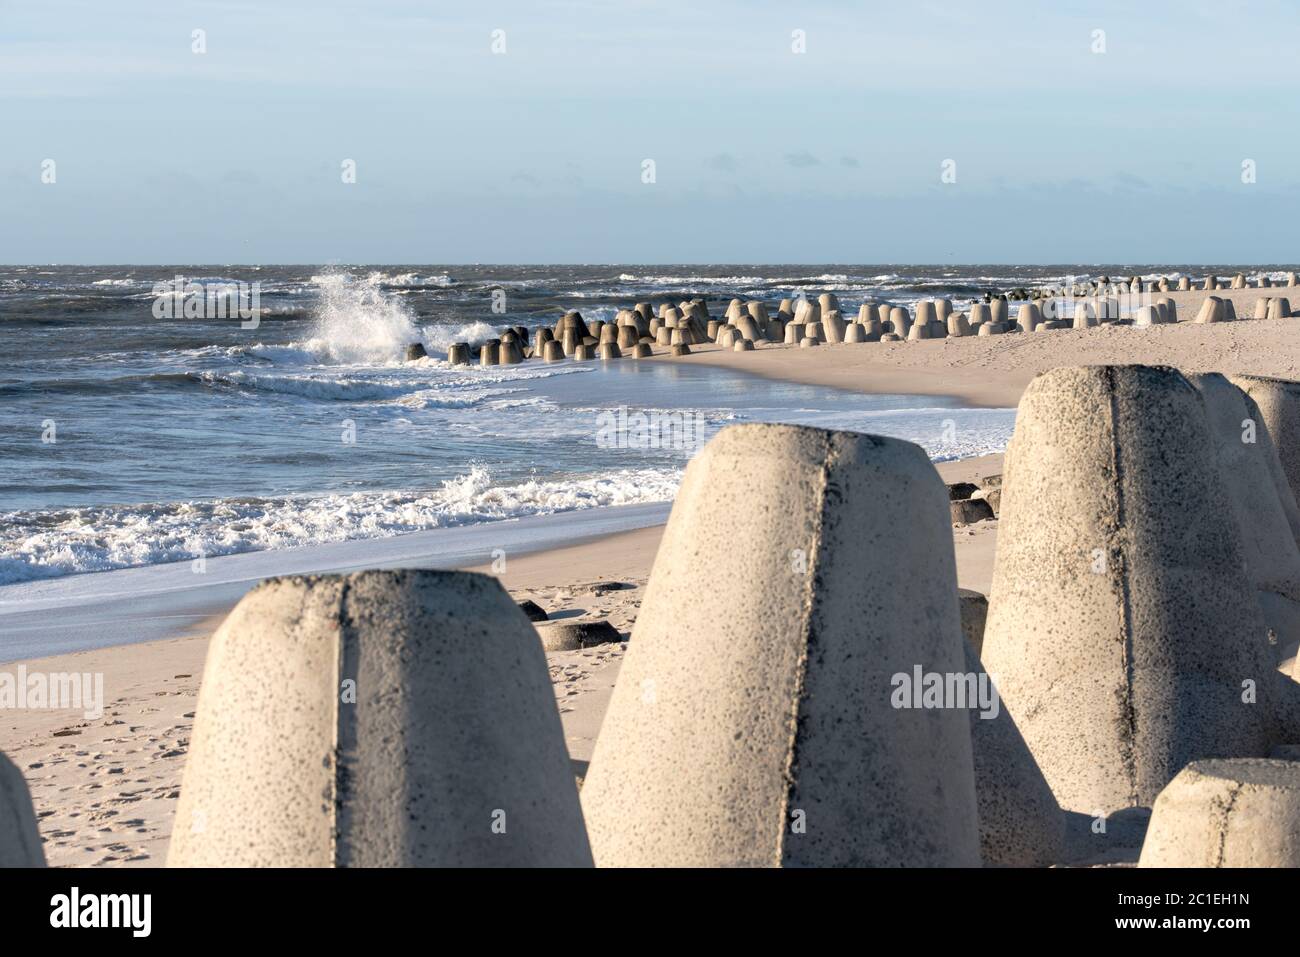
x,y
1248,467
1212,310
20,839
833,326
1085,315
1278,401
1227,813
998,311
1126,638
753,722
379,719
900,323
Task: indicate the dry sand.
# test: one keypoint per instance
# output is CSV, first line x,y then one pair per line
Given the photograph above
x,y
105,789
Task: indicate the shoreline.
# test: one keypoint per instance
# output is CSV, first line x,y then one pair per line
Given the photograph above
x,y
156,602
166,600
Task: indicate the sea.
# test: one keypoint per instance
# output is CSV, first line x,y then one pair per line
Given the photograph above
x,y
134,432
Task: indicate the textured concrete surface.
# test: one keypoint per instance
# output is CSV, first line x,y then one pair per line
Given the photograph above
x,y
974,614
1233,813
1122,628
20,840
385,718
1278,401
1247,464
752,723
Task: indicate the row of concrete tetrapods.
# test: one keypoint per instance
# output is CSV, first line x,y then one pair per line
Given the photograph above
x,y
1144,609
804,322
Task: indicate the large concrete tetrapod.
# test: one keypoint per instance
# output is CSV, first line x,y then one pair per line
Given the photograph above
x,y
1278,401
1233,813
379,719
754,720
1122,627
20,840
1248,465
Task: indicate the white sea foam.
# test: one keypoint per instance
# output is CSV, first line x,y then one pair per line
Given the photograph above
x,y
408,279
694,280
53,543
440,338
357,324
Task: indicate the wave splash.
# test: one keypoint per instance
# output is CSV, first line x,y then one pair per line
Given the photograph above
x,y
357,324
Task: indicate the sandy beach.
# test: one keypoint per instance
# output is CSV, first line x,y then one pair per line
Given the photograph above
x,y
105,789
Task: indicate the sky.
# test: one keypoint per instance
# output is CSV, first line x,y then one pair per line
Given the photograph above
x,y
712,131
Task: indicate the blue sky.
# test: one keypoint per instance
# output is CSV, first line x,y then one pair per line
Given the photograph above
x,y
761,154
